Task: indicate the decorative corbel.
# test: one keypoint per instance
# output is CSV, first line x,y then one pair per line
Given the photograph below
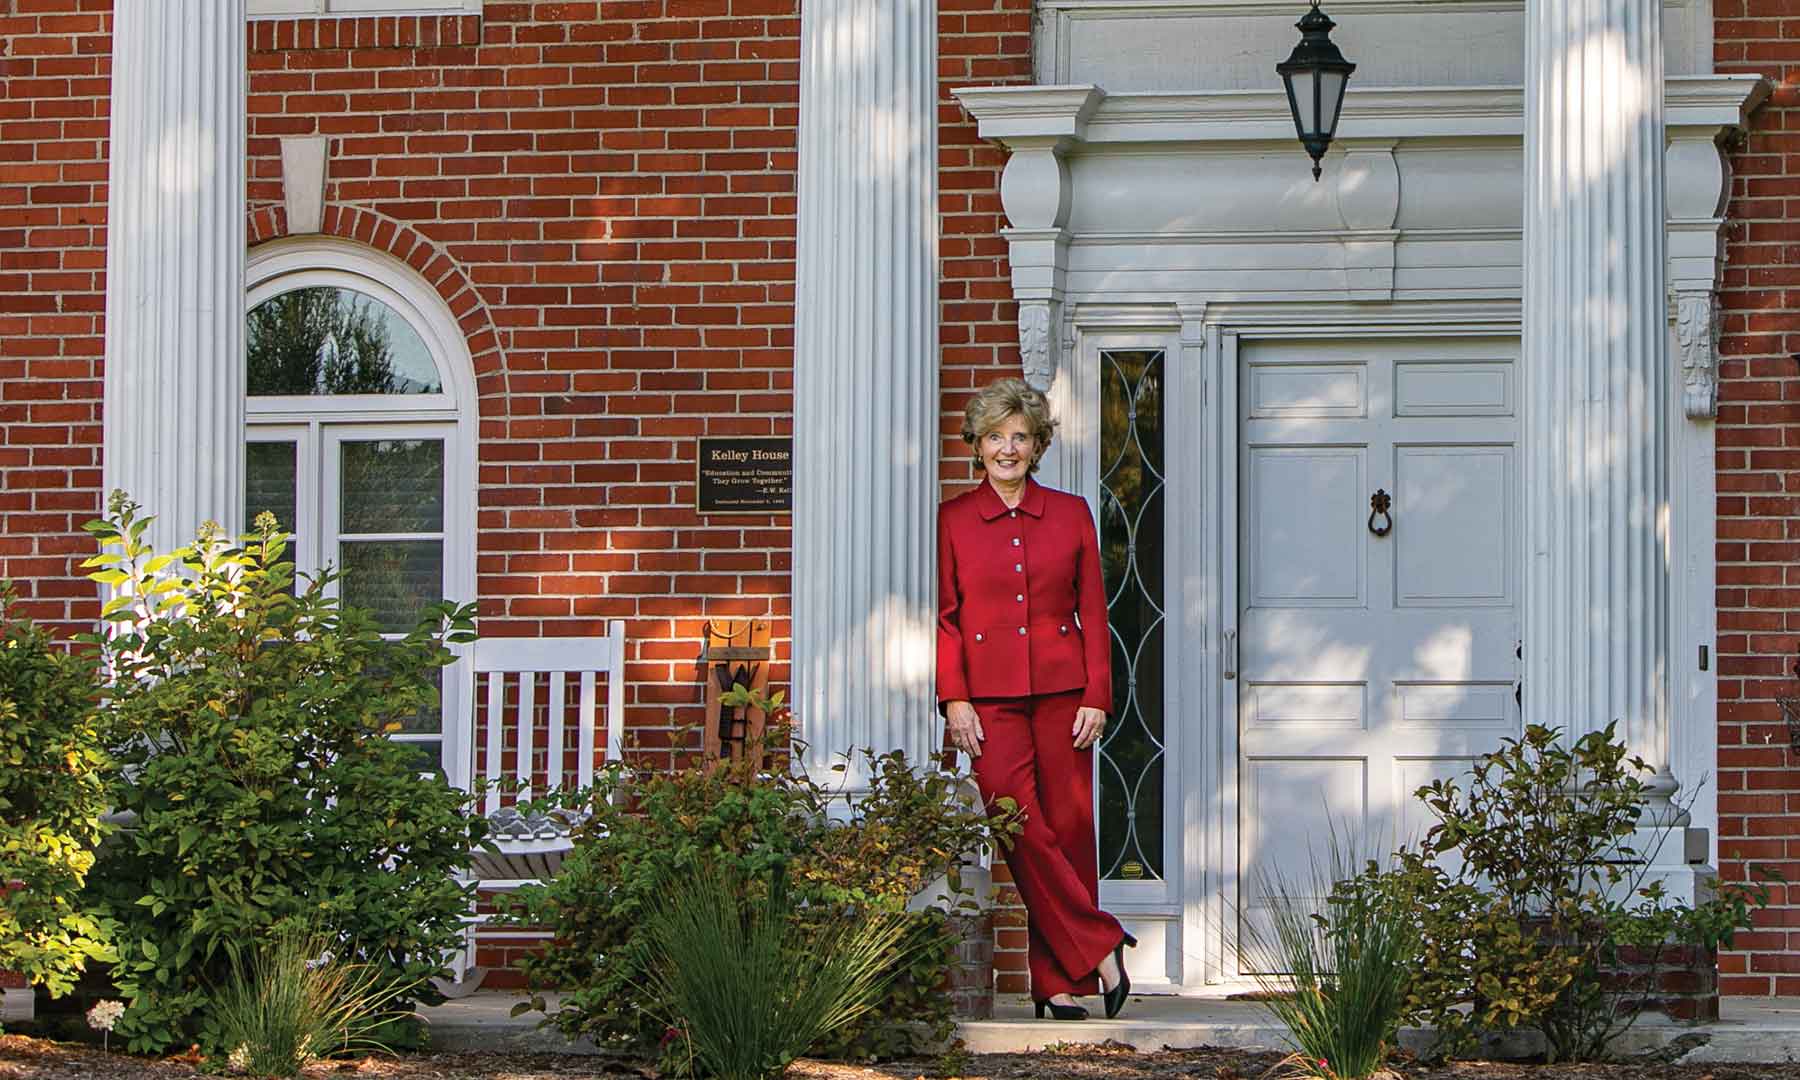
x,y
1702,114
1037,125
1697,327
1035,318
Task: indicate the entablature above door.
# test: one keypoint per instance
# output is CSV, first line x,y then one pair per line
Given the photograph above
x,y
1205,198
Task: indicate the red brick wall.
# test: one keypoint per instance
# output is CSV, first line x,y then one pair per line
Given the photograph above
x,y
54,63
604,192
612,181
616,182
1759,497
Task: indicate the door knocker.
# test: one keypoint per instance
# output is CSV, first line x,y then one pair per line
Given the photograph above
x,y
1379,503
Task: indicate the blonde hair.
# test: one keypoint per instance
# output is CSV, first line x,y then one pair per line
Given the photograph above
x,y
996,403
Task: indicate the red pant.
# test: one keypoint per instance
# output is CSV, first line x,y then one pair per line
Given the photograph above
x,y
1029,755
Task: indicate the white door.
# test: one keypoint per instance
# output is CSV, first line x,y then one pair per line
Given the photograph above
x,y
1369,664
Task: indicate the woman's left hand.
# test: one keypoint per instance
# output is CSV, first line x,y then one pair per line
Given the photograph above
x,y
1089,723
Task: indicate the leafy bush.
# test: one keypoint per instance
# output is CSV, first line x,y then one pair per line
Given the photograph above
x,y
1526,930
1336,978
749,983
52,798
895,840
260,776
295,1002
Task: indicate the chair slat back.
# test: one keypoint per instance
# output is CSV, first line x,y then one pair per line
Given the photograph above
x,y
510,671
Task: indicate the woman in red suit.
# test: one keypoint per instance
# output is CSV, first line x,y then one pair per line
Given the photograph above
x,y
1025,682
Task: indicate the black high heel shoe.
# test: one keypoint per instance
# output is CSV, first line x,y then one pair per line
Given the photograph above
x,y
1115,996
1060,1012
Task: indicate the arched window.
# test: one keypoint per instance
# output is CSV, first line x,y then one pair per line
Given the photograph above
x,y
360,425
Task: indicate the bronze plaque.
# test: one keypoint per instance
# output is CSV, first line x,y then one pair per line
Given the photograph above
x,y
745,476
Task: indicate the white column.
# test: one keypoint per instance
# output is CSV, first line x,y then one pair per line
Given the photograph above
x,y
865,382
1596,376
174,407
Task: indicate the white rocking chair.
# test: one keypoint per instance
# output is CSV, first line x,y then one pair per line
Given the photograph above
x,y
512,671
528,694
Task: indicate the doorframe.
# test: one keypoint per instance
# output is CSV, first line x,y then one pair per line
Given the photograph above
x,y
1203,343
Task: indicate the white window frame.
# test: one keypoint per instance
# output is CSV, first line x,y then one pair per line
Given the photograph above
x,y
318,425
344,9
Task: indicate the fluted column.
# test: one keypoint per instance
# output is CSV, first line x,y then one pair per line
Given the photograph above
x,y
174,408
1596,374
865,381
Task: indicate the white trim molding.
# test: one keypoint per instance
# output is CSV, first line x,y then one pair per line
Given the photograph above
x,y
1376,112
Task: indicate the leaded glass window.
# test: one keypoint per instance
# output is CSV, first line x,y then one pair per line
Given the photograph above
x,y
1131,546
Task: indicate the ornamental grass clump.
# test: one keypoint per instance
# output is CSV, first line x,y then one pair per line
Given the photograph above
x,y
1335,970
293,1002
748,986
876,852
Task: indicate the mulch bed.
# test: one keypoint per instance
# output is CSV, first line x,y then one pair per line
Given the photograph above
x,y
21,1057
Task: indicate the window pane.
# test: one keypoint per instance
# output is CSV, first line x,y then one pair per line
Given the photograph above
x,y
270,471
393,579
324,339
429,756
429,720
1131,557
392,486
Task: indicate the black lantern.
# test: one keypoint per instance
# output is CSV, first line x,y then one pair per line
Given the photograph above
x,y
1315,74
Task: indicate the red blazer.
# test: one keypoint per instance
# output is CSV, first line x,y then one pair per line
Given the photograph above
x,y
1021,604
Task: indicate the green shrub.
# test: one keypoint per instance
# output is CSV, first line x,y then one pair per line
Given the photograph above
x,y
260,776
749,983
295,1002
886,848
1335,978
1526,931
52,797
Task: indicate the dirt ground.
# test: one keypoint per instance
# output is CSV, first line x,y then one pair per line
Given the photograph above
x,y
22,1057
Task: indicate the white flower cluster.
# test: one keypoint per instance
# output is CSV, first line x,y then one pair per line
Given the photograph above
x,y
239,1059
105,1014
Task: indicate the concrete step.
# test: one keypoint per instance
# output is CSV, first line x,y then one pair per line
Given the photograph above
x,y
1751,1029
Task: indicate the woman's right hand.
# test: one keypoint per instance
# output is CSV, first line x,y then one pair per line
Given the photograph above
x,y
965,727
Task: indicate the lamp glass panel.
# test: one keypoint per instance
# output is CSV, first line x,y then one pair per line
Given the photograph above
x,y
1306,100
1331,98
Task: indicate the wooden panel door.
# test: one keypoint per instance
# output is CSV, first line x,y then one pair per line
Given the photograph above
x,y
1375,654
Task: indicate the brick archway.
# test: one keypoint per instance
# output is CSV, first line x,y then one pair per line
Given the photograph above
x,y
431,263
